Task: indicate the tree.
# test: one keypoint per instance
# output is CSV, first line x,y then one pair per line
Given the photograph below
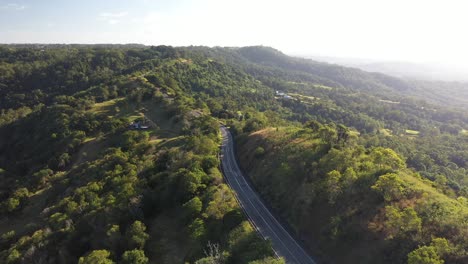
x,y
259,152
42,175
332,183
390,186
223,201
189,183
269,260
209,162
387,158
349,177
7,237
13,257
196,228
193,207
401,222
424,255
213,255
343,134
314,125
440,180
63,160
255,123
113,237
17,199
96,257
135,256
246,245
328,134
411,222
58,220
21,193
442,246
202,145
11,204
136,235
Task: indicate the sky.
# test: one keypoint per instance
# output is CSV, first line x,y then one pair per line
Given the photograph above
x,y
421,31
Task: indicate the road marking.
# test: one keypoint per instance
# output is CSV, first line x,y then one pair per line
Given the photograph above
x,y
278,224
232,164
266,222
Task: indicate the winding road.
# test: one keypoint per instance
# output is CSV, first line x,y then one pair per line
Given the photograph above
x,y
259,215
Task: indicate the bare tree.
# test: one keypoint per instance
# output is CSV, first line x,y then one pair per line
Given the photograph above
x,y
213,254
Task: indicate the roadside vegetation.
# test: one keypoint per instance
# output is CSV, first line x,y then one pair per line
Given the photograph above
x,y
363,202
109,154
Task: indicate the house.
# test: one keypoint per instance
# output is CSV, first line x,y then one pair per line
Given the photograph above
x,y
278,93
283,95
137,125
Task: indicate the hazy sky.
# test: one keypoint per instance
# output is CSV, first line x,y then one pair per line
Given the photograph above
x,y
402,30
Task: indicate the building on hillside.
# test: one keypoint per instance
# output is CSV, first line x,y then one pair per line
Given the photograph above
x,y
138,125
283,95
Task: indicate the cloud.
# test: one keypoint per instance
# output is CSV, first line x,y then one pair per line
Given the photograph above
x,y
112,18
13,6
113,15
113,21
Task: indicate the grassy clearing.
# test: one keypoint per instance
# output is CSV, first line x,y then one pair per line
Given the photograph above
x,y
163,125
320,86
117,108
163,130
388,101
385,132
304,96
459,210
90,150
30,215
105,107
411,132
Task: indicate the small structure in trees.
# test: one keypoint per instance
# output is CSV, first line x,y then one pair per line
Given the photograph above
x,y
139,125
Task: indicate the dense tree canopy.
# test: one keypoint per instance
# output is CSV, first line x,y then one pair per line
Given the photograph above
x,y
108,154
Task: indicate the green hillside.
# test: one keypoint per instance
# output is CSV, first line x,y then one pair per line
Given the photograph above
x,y
361,202
363,166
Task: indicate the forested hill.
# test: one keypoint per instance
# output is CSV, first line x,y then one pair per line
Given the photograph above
x,y
452,94
336,75
255,59
108,153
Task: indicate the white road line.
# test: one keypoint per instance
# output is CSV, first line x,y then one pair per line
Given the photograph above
x,y
266,209
258,212
230,161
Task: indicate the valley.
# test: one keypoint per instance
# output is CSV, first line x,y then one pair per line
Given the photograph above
x,y
109,154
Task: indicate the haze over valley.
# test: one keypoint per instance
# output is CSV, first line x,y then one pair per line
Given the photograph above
x,y
406,70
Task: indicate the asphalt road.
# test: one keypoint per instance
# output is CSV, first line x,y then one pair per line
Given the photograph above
x,y
266,224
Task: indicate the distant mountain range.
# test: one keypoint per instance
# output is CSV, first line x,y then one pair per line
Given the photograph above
x,y
408,70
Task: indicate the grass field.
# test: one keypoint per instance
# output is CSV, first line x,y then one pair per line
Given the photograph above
x,y
160,123
411,132
386,132
304,96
